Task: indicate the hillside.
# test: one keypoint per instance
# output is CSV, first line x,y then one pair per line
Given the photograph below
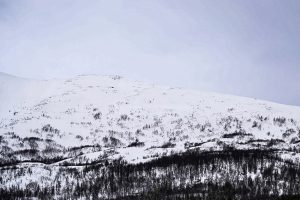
x,y
93,123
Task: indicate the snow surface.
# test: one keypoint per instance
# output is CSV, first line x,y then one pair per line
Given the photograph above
x,y
110,117
131,111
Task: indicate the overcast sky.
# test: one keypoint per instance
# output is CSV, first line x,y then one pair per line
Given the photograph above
x,y
242,47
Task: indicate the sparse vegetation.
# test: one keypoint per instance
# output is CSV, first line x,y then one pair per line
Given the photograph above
x,y
236,133
136,143
50,129
279,121
168,145
97,116
79,137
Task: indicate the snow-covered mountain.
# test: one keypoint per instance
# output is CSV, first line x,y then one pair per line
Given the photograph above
x,y
92,119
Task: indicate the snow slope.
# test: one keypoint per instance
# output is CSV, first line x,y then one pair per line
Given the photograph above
x,y
88,118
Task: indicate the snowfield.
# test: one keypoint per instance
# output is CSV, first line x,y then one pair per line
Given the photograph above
x,y
113,112
90,119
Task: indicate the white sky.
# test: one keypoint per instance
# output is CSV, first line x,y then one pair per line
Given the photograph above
x,y
243,47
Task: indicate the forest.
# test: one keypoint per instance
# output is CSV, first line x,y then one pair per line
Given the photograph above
x,y
228,174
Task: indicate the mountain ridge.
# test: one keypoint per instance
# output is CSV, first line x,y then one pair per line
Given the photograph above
x,y
3,74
